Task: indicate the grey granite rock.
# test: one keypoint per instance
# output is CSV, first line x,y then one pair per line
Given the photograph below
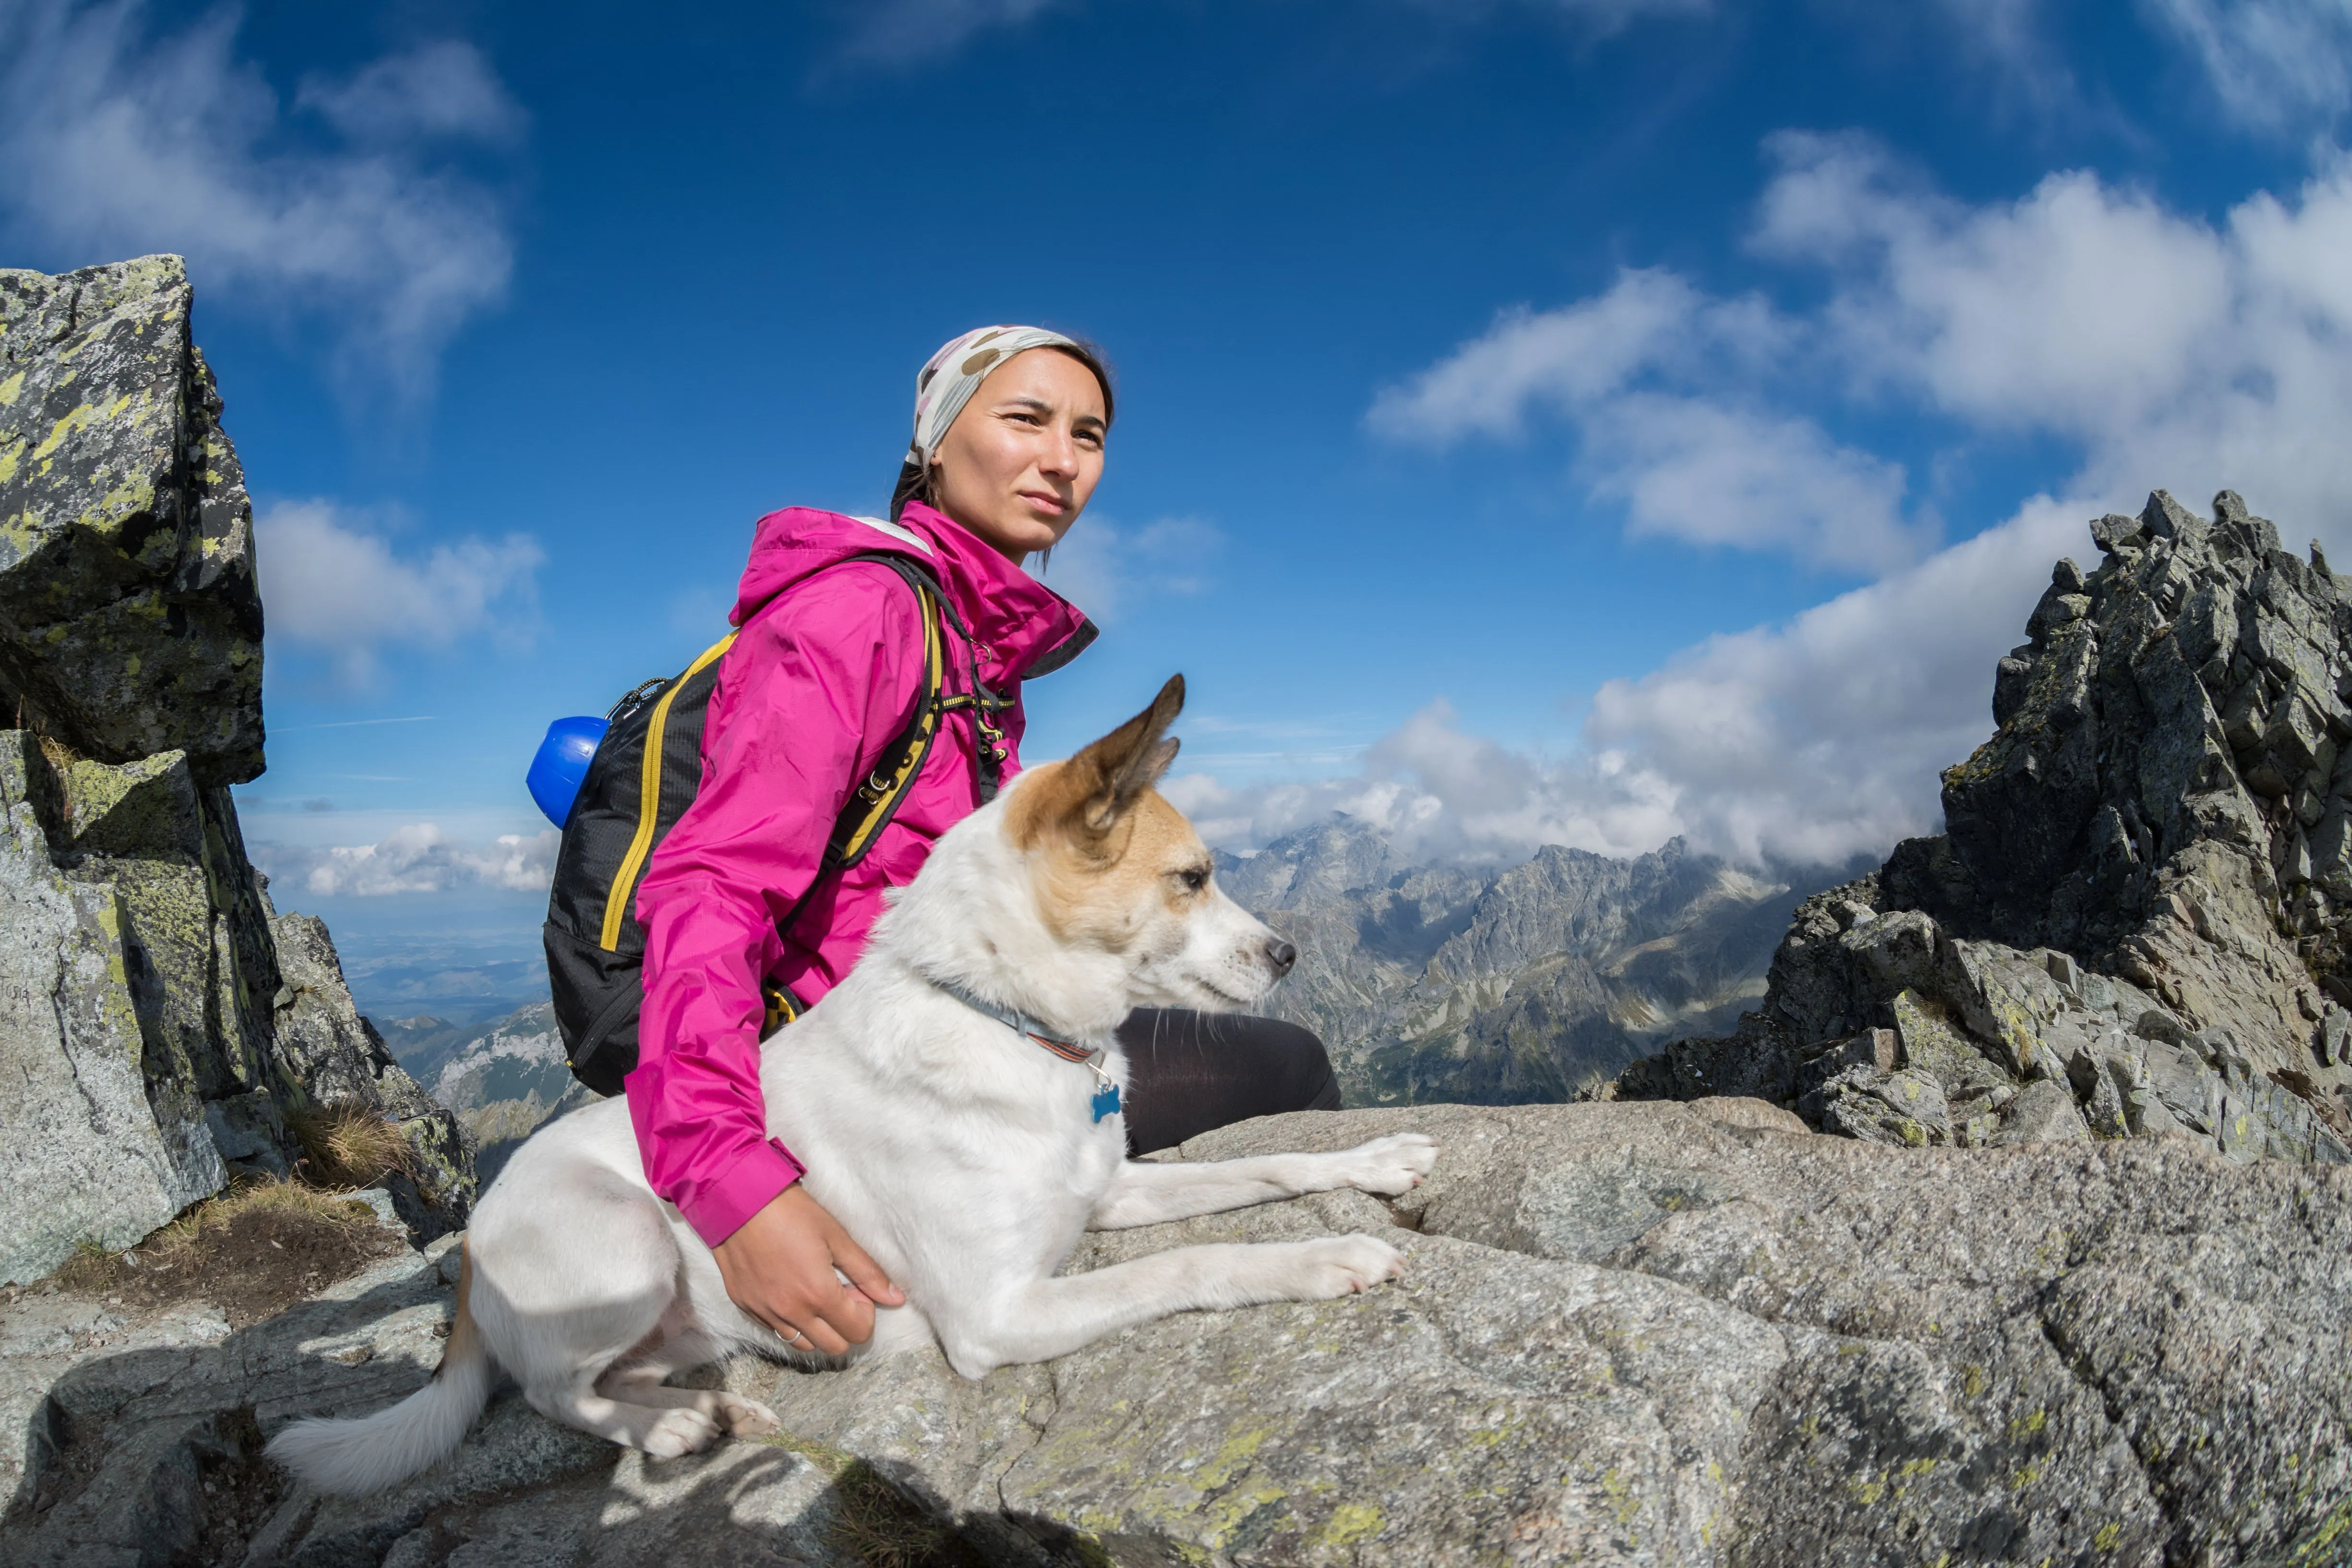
x,y
130,619
2155,843
155,1031
1628,1333
337,1059
94,1157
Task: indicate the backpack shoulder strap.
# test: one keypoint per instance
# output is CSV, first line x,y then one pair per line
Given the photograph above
x,y
874,802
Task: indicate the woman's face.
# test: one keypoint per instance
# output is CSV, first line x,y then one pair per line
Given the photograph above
x,y
1021,461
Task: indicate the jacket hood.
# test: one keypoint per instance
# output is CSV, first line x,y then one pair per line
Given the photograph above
x,y
1032,629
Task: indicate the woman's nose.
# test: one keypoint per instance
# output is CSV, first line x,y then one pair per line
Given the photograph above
x,y
1060,457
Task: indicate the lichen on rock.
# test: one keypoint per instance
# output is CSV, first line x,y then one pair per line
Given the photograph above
x,y
129,616
168,1029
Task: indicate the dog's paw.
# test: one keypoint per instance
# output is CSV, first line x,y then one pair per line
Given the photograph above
x,y
680,1431
1343,1265
746,1417
1391,1164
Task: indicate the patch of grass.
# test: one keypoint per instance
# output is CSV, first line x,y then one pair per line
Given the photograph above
x,y
876,1522
883,1528
253,1250
260,1228
350,1146
91,1268
185,1237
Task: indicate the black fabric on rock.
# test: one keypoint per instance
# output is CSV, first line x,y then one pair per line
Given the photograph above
x,y
1190,1071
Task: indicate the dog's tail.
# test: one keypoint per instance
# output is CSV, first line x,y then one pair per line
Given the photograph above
x,y
372,1452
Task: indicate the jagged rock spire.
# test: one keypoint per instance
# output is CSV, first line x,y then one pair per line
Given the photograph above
x,y
2141,900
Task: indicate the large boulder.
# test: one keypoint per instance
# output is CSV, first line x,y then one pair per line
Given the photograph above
x,y
98,1154
2143,896
167,1029
129,618
1627,1334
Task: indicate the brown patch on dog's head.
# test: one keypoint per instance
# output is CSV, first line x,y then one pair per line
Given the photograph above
x,y
1105,846
1089,798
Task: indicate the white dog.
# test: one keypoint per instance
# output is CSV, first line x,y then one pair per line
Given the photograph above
x,y
966,1156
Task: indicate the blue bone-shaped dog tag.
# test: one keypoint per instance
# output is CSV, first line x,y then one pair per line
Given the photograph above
x,y
1105,1101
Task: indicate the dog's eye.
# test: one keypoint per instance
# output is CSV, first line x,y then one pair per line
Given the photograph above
x,y
1193,880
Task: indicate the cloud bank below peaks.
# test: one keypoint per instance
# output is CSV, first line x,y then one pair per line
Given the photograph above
x,y
364,205
418,858
2163,351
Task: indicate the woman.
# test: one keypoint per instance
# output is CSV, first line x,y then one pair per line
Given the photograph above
x,y
1009,423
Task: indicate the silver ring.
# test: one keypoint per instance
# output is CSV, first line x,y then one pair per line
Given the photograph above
x,y
795,1337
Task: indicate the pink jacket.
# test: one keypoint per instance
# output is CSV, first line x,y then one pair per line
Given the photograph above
x,y
824,674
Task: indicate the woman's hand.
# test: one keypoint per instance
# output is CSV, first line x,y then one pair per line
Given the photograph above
x,y
780,1266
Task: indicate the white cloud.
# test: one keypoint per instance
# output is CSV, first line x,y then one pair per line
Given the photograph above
x,y
331,584
1667,392
115,142
443,90
1104,567
2077,310
1592,19
419,858
2280,65
904,32
1800,743
1441,794
2168,351
1697,470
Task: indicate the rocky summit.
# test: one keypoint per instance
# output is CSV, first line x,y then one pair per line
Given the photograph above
x,y
2138,918
1626,1334
2071,1289
161,1025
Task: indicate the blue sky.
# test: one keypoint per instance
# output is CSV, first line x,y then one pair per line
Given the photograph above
x,y
1576,420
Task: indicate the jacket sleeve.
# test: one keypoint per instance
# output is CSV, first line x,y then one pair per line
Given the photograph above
x,y
814,689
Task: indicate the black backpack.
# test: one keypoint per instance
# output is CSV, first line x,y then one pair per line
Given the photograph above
x,y
647,771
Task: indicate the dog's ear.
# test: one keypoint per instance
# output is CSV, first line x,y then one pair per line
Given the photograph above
x,y
1103,780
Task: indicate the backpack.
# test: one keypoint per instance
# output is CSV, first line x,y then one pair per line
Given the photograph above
x,y
647,771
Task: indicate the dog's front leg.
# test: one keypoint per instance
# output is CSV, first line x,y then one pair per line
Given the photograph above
x,y
1145,1193
1046,1318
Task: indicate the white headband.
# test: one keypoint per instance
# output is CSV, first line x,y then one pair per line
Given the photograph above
x,y
950,376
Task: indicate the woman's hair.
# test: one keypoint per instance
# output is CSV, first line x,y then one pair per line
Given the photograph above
x,y
915,479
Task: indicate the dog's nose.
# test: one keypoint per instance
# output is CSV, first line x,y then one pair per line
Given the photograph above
x,y
1281,955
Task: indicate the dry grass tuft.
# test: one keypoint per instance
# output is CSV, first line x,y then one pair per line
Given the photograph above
x,y
186,1236
873,1521
195,1235
350,1146
91,1268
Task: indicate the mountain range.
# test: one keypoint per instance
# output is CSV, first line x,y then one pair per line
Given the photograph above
x,y
1504,985
1493,985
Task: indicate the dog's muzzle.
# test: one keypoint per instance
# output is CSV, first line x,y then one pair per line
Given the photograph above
x,y
1282,956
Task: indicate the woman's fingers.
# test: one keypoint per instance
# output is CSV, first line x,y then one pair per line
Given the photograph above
x,y
780,1267
818,1335
864,1273
847,1319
